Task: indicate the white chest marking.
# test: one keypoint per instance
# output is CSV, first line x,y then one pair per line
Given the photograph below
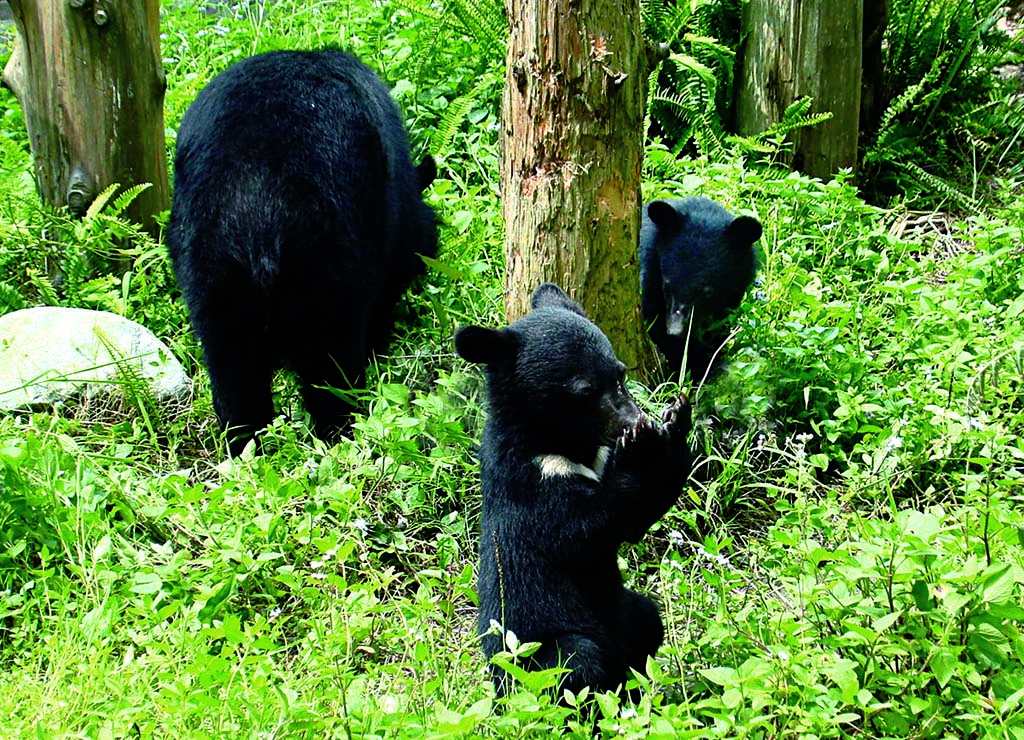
x,y
557,466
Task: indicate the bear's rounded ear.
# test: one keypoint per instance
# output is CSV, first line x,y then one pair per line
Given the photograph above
x,y
744,231
479,344
663,215
549,294
426,171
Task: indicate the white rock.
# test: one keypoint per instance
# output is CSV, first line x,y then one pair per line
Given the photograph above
x,y
50,354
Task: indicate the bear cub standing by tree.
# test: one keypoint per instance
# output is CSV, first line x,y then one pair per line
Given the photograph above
x,y
297,223
570,470
695,259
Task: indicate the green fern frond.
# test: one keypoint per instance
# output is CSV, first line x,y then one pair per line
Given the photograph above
x,y
125,199
100,202
796,116
487,17
686,64
665,20
694,102
101,293
938,185
77,269
652,92
10,298
759,144
43,286
798,108
453,118
688,97
482,20
137,390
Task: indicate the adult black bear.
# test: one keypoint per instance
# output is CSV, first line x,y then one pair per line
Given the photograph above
x,y
570,470
297,224
696,260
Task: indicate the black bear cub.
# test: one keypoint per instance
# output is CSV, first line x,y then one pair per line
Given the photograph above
x,y
570,470
297,223
696,263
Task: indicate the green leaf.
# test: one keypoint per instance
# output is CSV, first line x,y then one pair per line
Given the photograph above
x,y
998,584
609,704
922,596
943,664
12,452
886,621
844,674
213,604
732,698
102,548
233,631
720,676
146,583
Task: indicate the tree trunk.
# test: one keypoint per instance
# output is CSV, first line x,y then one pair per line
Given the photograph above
x,y
873,89
572,149
88,76
793,49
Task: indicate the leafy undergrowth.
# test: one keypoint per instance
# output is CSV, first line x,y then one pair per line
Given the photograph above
x,y
847,560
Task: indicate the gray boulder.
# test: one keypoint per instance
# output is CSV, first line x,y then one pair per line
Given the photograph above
x,y
51,354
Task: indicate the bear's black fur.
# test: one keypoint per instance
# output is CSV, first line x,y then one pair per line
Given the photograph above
x,y
695,259
570,470
297,224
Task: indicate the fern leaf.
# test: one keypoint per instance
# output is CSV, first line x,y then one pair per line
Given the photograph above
x,y
100,202
125,199
10,298
453,118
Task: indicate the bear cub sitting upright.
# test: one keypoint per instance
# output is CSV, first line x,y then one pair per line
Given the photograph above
x,y
696,260
570,469
297,223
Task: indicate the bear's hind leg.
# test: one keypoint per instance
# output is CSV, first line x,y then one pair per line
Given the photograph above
x,y
240,365
341,366
580,655
641,630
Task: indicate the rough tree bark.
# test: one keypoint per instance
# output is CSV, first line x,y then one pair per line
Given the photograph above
x,y
873,87
88,76
572,149
792,49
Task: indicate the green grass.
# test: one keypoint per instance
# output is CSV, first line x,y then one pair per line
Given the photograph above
x,y
847,560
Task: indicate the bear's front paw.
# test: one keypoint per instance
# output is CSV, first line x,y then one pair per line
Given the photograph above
x,y
677,422
677,419
642,445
